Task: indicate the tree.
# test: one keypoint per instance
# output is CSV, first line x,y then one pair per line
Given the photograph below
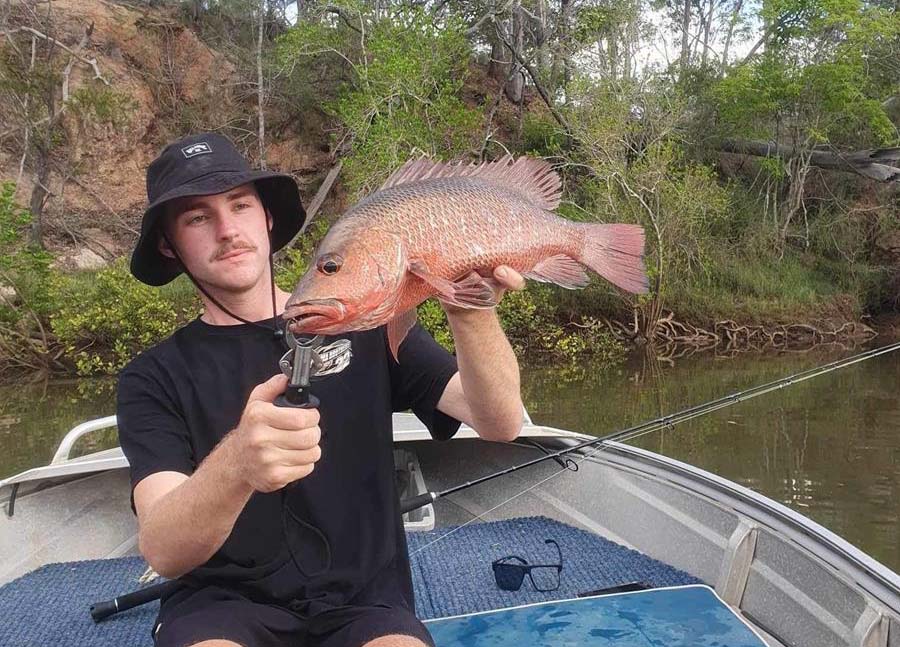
x,y
35,71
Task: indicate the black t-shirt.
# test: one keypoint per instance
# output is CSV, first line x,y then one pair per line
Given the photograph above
x,y
177,400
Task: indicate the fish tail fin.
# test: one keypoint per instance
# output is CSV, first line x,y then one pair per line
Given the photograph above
x,y
616,252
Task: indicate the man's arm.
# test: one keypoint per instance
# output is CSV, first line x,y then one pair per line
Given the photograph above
x,y
485,393
184,520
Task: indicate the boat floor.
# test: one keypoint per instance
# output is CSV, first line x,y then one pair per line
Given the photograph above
x,y
451,569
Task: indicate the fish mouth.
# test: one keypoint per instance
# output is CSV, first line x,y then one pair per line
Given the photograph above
x,y
309,316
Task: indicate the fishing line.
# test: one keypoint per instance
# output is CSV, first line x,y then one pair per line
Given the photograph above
x,y
596,445
663,422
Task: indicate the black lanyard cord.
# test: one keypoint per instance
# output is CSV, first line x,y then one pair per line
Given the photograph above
x,y
276,331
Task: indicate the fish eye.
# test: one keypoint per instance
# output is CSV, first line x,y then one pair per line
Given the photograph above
x,y
329,263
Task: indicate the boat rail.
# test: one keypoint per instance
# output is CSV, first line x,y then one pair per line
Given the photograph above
x,y
69,440
406,428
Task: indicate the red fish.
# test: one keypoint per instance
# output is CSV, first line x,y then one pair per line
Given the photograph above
x,y
439,229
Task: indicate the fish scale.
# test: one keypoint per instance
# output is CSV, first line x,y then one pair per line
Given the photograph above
x,y
476,209
432,225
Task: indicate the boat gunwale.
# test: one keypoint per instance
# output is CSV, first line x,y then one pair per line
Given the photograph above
x,y
847,561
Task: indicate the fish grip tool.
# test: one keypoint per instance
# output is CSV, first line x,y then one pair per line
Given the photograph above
x,y
300,364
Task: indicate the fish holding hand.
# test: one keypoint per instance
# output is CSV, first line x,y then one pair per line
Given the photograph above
x,y
439,229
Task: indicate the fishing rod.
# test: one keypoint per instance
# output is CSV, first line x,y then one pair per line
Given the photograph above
x,y
102,610
663,422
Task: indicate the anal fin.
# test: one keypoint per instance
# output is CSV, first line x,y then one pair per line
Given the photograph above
x,y
398,328
563,270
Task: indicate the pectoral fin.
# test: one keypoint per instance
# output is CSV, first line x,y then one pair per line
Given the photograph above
x,y
398,328
471,291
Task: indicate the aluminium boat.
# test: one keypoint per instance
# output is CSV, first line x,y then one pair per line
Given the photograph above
x,y
635,528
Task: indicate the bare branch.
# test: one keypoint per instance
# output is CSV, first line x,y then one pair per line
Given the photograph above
x,y
317,201
534,79
490,15
343,16
85,38
92,62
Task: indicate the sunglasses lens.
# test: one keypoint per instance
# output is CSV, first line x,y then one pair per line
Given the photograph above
x,y
509,576
545,578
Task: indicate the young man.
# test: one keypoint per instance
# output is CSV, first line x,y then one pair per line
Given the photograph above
x,y
322,562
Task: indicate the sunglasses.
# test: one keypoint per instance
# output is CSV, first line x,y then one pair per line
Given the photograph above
x,y
510,572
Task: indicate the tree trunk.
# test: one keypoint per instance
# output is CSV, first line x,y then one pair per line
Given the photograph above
x,y
613,49
707,28
892,107
497,68
565,19
39,197
734,18
769,28
260,90
498,59
515,86
882,164
629,38
540,37
685,35
602,57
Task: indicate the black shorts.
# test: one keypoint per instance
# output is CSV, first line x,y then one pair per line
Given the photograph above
x,y
213,612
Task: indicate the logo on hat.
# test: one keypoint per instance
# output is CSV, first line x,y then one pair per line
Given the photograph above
x,y
200,148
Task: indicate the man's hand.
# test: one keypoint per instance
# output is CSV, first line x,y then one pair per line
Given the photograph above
x,y
485,391
273,446
507,279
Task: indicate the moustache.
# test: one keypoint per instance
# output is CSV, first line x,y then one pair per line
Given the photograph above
x,y
231,247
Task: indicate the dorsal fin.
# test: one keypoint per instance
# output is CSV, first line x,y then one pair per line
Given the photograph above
x,y
532,176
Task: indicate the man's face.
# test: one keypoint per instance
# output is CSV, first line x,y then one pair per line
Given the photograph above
x,y
222,239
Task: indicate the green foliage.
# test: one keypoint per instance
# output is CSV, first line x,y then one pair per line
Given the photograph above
x,y
401,97
528,319
433,319
23,268
103,319
101,104
523,314
603,19
541,135
588,338
829,98
295,260
755,289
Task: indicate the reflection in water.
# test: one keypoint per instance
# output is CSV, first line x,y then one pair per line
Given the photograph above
x,y
827,447
35,417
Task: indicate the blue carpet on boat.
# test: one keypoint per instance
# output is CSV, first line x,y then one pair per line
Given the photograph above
x,y
451,575
452,568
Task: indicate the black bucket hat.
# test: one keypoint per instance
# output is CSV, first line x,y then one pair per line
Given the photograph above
x,y
207,164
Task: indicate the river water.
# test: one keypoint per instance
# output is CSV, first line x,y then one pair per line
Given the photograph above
x,y
828,447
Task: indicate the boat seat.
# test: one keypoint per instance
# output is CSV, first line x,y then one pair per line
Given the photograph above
x,y
681,616
450,568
